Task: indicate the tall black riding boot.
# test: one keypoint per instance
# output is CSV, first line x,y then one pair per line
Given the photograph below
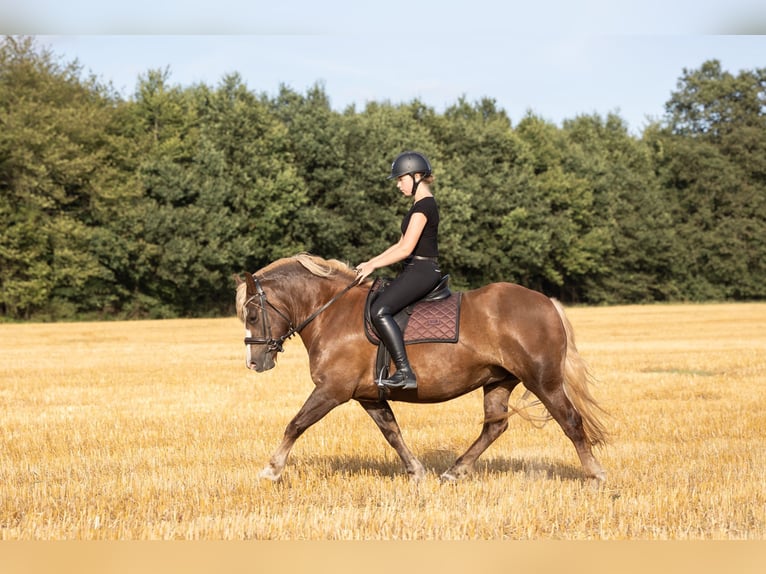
x,y
392,338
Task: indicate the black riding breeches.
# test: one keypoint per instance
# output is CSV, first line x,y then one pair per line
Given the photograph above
x,y
416,280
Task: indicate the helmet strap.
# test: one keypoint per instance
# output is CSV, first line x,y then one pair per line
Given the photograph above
x,y
415,183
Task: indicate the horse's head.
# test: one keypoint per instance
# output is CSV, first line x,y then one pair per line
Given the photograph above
x,y
266,327
280,293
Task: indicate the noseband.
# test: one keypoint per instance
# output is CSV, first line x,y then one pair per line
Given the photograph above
x,y
275,345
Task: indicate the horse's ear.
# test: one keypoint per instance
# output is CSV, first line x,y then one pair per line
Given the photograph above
x,y
237,279
251,290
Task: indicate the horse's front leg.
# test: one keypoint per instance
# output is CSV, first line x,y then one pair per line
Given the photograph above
x,y
319,403
384,417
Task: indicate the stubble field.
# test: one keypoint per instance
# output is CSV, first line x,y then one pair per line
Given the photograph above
x,y
155,430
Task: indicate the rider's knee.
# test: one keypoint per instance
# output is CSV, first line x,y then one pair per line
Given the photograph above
x,y
379,312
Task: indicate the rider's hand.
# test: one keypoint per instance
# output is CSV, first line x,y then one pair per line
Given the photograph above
x,y
364,269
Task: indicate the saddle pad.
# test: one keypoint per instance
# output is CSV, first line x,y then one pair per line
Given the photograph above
x,y
434,321
427,322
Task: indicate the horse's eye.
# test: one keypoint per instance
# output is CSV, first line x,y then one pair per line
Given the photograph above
x,y
252,317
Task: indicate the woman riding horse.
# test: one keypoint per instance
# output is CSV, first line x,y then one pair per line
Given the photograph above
x,y
508,335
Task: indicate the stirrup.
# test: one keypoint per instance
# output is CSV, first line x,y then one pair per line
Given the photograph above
x,y
400,380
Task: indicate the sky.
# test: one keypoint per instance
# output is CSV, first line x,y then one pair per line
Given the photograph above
x,y
554,58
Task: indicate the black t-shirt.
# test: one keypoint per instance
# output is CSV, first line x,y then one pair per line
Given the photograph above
x,y
428,245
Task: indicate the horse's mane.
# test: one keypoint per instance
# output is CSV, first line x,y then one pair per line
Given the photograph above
x,y
314,264
323,267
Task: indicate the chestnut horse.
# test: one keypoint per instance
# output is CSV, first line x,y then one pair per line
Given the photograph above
x,y
508,334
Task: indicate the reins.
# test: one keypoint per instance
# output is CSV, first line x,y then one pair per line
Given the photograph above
x,y
276,344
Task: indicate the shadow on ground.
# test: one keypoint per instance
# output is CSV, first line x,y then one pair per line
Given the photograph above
x,y
438,461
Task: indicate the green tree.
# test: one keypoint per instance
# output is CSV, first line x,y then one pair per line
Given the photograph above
x,y
714,162
55,178
316,143
559,240
246,176
220,193
631,236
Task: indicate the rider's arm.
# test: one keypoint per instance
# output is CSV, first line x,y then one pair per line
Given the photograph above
x,y
399,250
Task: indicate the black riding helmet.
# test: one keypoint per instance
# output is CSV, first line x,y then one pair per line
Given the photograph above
x,y
410,162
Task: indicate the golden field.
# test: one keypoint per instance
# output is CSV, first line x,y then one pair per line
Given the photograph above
x,y
156,430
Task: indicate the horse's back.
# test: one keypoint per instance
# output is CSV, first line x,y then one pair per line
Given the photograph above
x,y
506,311
510,298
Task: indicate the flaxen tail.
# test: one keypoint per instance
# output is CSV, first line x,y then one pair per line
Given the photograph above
x,y
577,380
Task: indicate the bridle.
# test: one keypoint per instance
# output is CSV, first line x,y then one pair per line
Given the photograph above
x,y
276,345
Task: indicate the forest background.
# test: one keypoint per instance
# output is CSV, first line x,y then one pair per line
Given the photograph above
x,y
144,207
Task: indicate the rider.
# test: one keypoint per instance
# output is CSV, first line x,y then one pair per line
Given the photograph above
x,y
418,248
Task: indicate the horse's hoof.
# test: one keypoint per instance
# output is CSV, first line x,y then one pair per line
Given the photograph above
x,y
456,473
450,476
417,477
268,474
597,481
599,476
418,474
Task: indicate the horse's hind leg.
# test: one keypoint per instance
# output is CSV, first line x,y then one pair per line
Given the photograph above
x,y
384,417
563,412
495,422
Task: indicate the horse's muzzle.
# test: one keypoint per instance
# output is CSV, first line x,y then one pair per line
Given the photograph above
x,y
260,364
259,354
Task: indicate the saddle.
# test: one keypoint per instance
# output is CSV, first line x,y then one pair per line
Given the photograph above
x,y
435,318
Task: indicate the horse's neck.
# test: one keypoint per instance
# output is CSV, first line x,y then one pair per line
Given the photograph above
x,y
305,293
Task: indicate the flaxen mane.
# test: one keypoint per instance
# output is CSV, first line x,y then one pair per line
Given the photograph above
x,y
323,267
315,265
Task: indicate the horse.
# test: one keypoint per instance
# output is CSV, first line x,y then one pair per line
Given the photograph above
x,y
508,335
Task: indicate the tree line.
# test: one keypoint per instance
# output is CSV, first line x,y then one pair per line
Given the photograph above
x,y
114,207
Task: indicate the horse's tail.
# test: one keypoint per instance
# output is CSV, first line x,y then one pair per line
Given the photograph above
x,y
577,379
